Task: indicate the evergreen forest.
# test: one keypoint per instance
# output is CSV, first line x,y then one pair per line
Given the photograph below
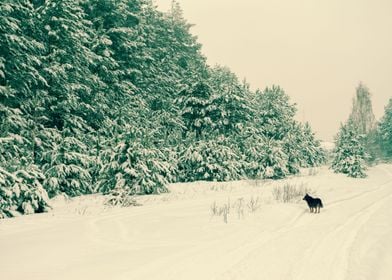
x,y
116,97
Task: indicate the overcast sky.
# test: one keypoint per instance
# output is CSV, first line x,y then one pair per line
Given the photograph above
x,y
317,50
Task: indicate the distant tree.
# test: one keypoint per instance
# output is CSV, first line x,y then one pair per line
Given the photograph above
x,y
385,131
363,119
362,113
349,154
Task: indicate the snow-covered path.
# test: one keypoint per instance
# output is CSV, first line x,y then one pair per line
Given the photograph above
x,y
173,236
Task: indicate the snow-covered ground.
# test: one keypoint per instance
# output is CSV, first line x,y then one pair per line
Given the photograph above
x,y
175,235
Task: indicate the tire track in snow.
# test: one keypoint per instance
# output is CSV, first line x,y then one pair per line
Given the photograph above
x,y
372,190
335,265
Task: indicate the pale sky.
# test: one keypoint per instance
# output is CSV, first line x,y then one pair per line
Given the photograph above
x,y
316,50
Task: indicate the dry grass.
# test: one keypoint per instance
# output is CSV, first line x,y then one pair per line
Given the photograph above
x,y
290,193
239,208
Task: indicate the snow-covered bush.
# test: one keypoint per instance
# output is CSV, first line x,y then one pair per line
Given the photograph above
x,y
22,193
211,160
121,197
135,168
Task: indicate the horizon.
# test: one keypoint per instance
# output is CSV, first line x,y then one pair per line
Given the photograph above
x,y
317,52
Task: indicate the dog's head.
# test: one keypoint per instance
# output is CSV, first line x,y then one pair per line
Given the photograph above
x,y
306,197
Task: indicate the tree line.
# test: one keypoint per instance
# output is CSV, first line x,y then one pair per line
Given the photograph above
x,y
114,96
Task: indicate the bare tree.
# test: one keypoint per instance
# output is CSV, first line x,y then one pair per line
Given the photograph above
x,y
362,116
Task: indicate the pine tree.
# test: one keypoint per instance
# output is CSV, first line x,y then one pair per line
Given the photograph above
x,y
231,99
293,148
73,91
114,26
312,154
274,119
274,112
67,66
170,59
20,79
349,153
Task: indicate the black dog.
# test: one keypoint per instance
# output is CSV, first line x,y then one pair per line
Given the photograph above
x,y
313,203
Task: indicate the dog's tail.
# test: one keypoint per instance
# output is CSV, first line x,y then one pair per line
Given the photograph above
x,y
321,204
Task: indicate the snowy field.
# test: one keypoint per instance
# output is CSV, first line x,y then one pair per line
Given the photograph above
x,y
176,236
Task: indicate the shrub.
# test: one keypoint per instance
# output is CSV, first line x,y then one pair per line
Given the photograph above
x,y
22,193
121,197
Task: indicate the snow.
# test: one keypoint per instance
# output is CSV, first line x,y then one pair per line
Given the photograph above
x,y
174,235
328,146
